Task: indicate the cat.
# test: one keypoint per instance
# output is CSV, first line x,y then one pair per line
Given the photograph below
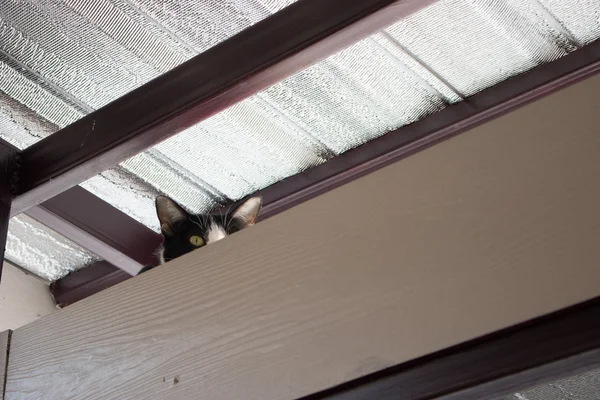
x,y
184,232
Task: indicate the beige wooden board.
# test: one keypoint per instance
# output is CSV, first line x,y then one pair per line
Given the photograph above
x,y
4,347
483,231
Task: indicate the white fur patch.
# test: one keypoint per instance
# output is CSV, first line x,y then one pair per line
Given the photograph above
x,y
215,232
161,254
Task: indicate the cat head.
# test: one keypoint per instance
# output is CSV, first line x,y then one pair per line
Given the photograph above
x,y
185,232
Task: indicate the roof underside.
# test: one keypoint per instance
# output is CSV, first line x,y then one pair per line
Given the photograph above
x,y
579,387
60,61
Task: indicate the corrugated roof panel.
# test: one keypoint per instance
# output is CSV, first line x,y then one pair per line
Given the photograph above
x,y
579,387
62,60
473,45
579,18
42,251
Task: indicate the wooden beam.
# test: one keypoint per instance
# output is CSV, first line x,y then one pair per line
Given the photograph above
x,y
265,53
85,239
479,233
86,282
559,345
99,227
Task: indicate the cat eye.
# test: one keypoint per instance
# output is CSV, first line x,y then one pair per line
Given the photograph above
x,y
196,241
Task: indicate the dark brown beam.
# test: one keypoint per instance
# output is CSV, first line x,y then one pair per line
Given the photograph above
x,y
264,54
539,351
84,239
8,176
85,282
491,103
99,227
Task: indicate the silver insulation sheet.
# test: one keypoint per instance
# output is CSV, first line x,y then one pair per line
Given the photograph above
x,y
61,59
37,248
580,387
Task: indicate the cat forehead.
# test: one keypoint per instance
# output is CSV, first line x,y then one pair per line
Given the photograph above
x,y
204,221
215,232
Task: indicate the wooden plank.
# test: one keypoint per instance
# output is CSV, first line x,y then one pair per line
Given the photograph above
x,y
484,231
288,41
4,352
111,234
85,239
559,345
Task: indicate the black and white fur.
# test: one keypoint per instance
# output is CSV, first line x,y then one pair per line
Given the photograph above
x,y
179,226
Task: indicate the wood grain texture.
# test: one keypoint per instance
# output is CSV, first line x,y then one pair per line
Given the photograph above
x,y
483,231
555,346
4,349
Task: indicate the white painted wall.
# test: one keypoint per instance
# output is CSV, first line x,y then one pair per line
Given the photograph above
x,y
23,298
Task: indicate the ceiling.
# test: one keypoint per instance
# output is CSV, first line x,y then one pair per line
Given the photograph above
x,y
60,60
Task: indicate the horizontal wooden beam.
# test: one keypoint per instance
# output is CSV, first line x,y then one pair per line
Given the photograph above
x,y
264,54
99,227
86,282
482,232
536,352
85,239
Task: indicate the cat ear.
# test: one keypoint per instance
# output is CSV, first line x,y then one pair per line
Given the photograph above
x,y
169,213
247,212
